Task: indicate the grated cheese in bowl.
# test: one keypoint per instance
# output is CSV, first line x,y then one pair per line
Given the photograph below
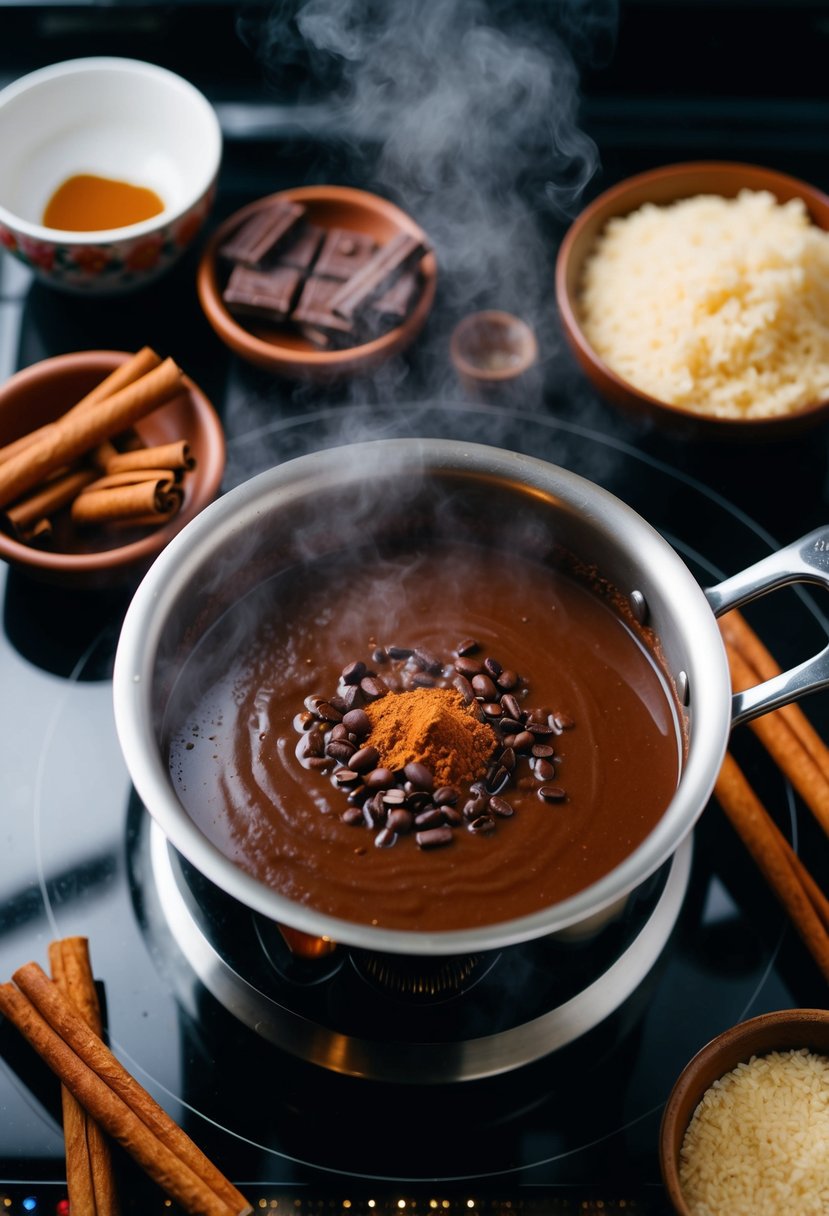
x,y
758,1142
717,305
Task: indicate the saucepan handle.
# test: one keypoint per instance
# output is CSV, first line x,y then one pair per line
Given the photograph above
x,y
803,561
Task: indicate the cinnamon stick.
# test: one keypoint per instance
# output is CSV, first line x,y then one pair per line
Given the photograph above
x,y
752,823
784,745
89,1175
114,1098
82,427
740,637
128,372
55,494
152,498
175,456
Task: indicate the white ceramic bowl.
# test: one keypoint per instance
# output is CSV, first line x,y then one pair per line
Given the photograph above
x,y
116,118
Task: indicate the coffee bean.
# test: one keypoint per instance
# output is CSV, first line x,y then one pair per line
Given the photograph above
x,y
338,732
492,709
351,698
364,760
338,702
447,795
399,652
328,712
314,743
501,808
507,680
542,729
523,741
452,816
492,667
562,721
353,816
340,749
399,821
511,725
478,789
345,776
544,771
313,701
484,823
429,662
507,758
468,667
305,720
423,680
464,688
394,797
420,775
511,706
434,838
357,720
318,762
551,793
543,751
353,673
468,646
357,795
385,838
373,688
431,818
417,800
379,779
474,807
379,655
496,781
484,688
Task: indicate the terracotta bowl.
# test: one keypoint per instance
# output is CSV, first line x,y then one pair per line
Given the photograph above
x,y
662,186
783,1030
490,349
107,557
290,354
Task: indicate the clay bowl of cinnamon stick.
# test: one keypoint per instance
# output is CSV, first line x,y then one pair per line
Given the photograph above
x,y
104,457
318,283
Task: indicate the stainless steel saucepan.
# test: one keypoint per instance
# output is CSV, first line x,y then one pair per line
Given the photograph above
x,y
346,495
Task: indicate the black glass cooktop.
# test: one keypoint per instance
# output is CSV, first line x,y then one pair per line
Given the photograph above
x,y
573,1131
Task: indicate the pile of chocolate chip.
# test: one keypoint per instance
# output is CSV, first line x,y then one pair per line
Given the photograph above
x,y
335,287
335,738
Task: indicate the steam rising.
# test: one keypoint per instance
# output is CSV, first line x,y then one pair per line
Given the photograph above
x,y
465,113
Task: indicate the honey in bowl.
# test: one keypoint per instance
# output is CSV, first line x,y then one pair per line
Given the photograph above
x,y
315,822
86,202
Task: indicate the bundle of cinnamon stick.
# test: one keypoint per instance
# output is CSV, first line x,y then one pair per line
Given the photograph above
x,y
796,747
78,463
60,1017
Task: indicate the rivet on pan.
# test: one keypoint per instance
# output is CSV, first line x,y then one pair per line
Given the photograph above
x,y
682,689
639,606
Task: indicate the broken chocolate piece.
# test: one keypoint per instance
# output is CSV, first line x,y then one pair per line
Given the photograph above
x,y
314,309
378,274
344,253
260,234
301,249
268,294
397,301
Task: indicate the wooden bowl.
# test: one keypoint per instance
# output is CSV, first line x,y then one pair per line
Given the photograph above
x,y
290,354
42,392
783,1030
662,186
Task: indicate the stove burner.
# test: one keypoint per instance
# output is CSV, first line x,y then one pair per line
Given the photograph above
x,y
450,1020
423,979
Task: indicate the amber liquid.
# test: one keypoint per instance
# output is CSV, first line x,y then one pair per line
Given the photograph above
x,y
87,203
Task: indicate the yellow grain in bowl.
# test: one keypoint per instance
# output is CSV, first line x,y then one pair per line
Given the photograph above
x,y
718,305
758,1142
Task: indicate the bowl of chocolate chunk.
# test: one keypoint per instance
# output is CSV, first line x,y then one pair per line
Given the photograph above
x,y
318,282
429,698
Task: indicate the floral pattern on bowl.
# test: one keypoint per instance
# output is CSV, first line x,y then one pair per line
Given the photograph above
x,y
111,266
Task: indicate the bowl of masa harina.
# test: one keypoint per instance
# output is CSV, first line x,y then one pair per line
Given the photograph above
x,y
745,1131
695,297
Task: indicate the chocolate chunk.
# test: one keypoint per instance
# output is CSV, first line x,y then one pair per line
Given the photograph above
x,y
301,247
394,305
260,233
378,274
313,310
267,294
344,253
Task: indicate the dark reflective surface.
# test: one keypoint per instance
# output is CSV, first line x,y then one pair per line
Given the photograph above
x,y
575,1128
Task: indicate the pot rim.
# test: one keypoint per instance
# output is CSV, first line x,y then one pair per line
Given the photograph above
x,y
236,512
